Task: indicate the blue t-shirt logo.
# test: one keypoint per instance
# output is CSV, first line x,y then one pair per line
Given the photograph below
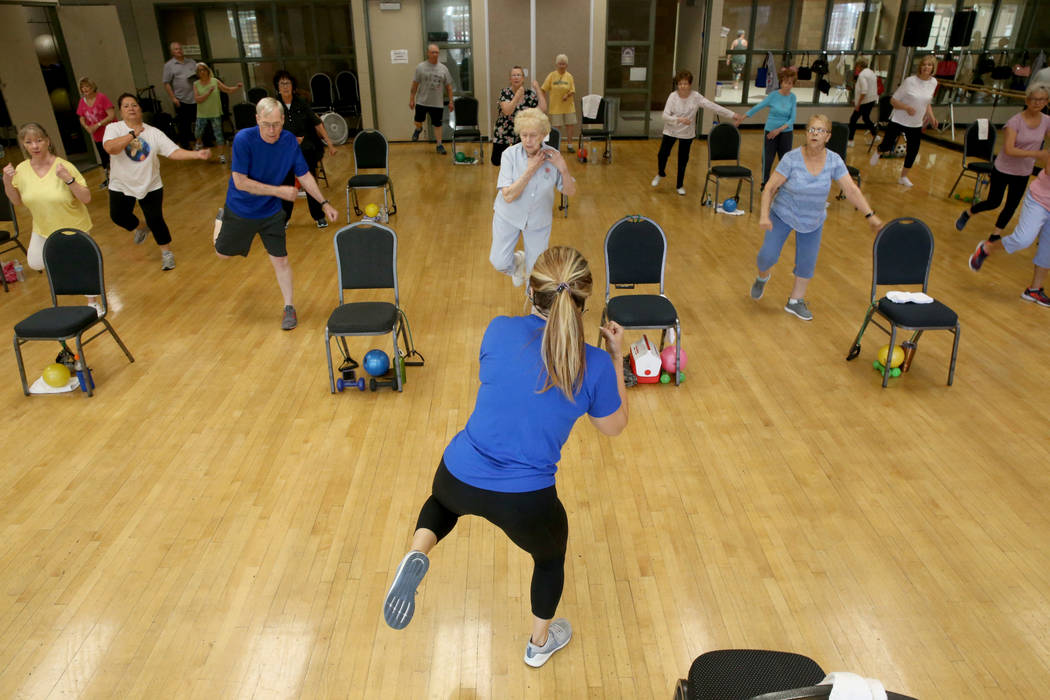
x,y
137,150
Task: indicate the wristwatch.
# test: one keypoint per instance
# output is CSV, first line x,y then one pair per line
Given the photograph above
x,y
869,214
71,181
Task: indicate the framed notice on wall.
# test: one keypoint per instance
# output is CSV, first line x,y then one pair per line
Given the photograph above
x,y
627,56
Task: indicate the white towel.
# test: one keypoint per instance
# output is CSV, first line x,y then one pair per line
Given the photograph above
x,y
590,105
850,686
909,298
982,129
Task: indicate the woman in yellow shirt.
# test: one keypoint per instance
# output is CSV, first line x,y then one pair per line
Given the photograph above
x,y
560,89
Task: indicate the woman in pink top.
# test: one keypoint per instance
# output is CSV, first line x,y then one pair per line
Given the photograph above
x,y
1024,133
680,125
95,111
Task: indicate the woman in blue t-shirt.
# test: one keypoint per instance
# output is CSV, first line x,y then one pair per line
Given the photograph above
x,y
537,377
796,199
780,120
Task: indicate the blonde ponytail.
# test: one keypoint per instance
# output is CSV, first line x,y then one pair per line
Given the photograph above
x,y
560,283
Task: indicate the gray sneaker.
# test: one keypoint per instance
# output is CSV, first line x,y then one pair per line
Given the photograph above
x,y
799,308
141,233
758,288
167,260
558,635
400,601
290,319
441,149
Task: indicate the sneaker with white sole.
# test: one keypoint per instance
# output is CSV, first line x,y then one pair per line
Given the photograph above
x,y
415,134
874,160
799,308
167,260
400,601
905,181
140,234
1036,295
681,191
222,159
849,144
758,288
518,277
960,223
977,257
558,635
290,319
656,180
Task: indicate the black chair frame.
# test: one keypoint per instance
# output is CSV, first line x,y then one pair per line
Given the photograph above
x,y
322,93
977,159
901,255
885,108
837,143
597,128
73,263
554,141
7,213
371,152
723,143
636,253
463,123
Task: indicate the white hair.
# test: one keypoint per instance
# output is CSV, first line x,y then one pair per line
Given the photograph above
x,y
266,106
561,57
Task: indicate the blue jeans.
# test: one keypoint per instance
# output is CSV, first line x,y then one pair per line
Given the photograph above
x,y
807,246
1034,223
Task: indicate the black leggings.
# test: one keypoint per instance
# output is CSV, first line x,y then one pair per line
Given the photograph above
x,y
683,156
497,152
312,156
533,520
102,155
778,146
912,136
122,213
863,113
1014,187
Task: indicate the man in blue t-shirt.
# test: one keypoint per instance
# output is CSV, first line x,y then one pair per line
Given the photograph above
x,y
262,158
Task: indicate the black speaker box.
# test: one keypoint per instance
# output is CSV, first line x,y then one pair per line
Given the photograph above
x,y
962,28
917,29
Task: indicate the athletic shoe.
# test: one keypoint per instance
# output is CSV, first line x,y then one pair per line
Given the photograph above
x,y
960,223
656,180
518,276
105,184
977,258
570,148
322,222
97,307
290,319
222,159
558,635
849,144
905,181
758,288
416,133
681,191
441,149
1036,295
400,600
141,233
799,308
874,160
167,260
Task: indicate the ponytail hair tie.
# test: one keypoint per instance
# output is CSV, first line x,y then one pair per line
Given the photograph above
x,y
562,286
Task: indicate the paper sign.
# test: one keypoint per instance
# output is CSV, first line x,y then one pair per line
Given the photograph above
x,y
627,56
638,74
399,55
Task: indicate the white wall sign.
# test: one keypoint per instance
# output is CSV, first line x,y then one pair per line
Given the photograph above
x,y
627,56
399,56
638,74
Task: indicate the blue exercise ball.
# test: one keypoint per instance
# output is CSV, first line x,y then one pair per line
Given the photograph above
x,y
729,205
376,363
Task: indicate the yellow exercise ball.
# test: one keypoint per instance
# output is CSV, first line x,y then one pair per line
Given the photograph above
x,y
898,356
56,375
371,210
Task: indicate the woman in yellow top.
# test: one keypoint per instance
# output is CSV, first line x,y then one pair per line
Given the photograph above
x,y
560,89
209,108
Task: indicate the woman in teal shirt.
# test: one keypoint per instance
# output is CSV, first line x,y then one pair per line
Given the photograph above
x,y
781,119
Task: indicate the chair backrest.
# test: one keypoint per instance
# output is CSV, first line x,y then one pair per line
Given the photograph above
x,y
723,143
257,93
7,210
554,139
974,147
73,263
635,253
885,108
321,91
902,253
366,257
839,139
466,112
243,115
599,117
371,151
346,87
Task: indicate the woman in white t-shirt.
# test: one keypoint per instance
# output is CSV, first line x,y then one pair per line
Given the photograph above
x,y
134,174
911,111
680,112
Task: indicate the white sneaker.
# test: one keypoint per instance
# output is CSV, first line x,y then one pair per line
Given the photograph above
x,y
558,635
905,181
681,191
874,158
849,144
656,181
518,276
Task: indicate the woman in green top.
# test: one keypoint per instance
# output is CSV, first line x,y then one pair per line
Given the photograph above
x,y
209,108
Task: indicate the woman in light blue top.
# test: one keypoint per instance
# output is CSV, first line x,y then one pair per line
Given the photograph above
x,y
796,200
779,122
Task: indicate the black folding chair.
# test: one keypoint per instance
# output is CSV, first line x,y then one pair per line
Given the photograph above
x,y
723,143
554,141
598,127
366,258
243,115
901,255
976,159
465,128
347,96
322,96
837,144
8,230
257,93
73,263
371,152
882,119
636,253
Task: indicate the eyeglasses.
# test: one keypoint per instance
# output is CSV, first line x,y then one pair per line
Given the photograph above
x,y
284,82
817,130
271,125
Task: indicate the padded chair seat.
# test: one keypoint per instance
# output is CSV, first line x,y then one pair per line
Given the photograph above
x,y
738,674
366,317
730,171
368,180
56,322
5,236
980,166
935,315
466,131
591,133
641,310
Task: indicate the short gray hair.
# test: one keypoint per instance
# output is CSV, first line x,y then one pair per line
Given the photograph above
x,y
266,106
561,57
1038,87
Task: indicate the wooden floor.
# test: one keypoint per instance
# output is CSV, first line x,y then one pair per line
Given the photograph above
x,y
214,523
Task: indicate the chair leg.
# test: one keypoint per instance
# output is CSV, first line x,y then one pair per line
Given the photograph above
x,y
889,355
89,383
952,191
703,195
393,200
854,349
750,195
328,352
396,362
955,351
119,341
677,353
22,368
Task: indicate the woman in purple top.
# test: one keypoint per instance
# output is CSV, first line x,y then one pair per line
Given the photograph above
x,y
537,378
795,199
95,111
1024,133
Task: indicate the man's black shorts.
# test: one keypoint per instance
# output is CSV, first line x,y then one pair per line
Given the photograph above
x,y
236,234
435,114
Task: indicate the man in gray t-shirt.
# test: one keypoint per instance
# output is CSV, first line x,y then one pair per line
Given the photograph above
x,y
429,86
179,74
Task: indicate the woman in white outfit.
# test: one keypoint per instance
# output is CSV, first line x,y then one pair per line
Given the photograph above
x,y
911,111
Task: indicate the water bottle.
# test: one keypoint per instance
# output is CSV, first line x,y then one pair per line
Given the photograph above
x,y
19,275
477,156
78,366
909,353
